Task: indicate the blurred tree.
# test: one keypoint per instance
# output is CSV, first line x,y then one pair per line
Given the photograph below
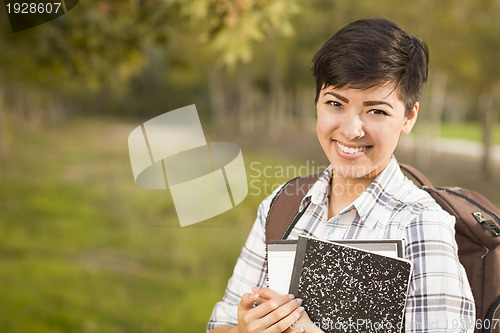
x,y
232,29
257,76
472,61
101,46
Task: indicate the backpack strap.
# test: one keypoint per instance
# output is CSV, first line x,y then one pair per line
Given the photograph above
x,y
284,209
416,174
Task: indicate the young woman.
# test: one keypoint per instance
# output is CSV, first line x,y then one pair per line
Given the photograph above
x,y
369,77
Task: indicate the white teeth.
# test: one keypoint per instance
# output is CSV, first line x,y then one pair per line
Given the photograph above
x,y
349,150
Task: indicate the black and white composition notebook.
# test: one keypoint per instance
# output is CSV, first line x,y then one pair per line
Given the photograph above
x,y
281,257
344,288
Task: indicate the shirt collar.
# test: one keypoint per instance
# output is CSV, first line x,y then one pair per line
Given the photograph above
x,y
376,195
318,193
365,203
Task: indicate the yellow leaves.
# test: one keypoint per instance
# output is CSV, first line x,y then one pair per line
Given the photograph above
x,y
243,5
232,27
278,11
231,19
195,10
106,43
132,64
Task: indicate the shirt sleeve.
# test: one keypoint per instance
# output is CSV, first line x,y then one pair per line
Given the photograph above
x,y
440,298
249,271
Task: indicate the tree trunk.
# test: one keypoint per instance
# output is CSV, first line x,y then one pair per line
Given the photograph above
x,y
276,108
429,121
438,103
487,121
306,110
218,98
3,126
277,98
245,100
19,109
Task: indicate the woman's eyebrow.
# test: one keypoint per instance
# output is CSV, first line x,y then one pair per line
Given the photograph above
x,y
366,103
372,103
340,97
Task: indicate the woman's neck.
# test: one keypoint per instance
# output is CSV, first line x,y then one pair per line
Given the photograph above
x,y
343,191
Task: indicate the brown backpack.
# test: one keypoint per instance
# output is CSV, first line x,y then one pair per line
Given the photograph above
x,y
477,232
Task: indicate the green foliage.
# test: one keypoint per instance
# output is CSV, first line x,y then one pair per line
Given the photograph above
x,y
101,46
232,27
91,47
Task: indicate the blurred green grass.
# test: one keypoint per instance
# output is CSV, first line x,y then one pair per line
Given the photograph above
x,y
85,250
470,131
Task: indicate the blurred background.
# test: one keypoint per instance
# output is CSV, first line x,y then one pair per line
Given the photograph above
x,y
83,249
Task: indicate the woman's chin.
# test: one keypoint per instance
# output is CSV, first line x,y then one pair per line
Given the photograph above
x,y
354,171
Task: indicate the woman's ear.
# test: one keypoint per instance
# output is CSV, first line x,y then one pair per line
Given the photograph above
x,y
410,120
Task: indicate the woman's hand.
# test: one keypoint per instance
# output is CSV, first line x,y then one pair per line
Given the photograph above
x,y
304,323
273,314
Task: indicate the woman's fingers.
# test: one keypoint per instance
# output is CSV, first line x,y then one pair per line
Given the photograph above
x,y
273,304
274,312
266,293
247,300
284,316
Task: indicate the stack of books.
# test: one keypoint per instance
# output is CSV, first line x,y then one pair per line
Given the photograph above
x,y
345,286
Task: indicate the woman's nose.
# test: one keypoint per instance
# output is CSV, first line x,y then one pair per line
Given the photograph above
x,y
352,127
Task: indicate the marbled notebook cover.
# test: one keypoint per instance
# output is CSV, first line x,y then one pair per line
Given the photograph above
x,y
345,289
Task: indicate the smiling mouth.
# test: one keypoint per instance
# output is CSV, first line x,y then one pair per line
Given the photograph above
x,y
351,150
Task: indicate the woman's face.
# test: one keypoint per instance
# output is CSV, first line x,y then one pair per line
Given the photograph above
x,y
359,129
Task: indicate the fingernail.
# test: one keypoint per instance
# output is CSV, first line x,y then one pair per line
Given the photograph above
x,y
255,296
299,301
300,310
290,296
255,289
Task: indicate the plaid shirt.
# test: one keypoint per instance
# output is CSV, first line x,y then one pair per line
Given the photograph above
x,y
392,207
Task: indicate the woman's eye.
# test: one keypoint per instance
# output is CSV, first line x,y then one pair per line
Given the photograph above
x,y
334,103
378,112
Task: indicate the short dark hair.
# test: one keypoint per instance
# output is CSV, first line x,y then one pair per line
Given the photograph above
x,y
371,52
